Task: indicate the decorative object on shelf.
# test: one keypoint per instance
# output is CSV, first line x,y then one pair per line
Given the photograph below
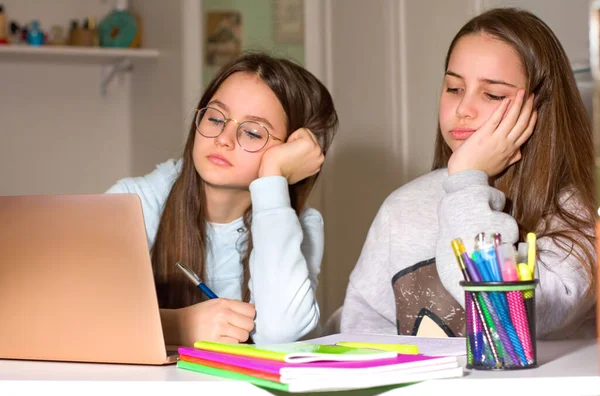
x,y
84,36
3,27
288,21
16,35
93,31
120,28
73,35
223,36
35,35
56,36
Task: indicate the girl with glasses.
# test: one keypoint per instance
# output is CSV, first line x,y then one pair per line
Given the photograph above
x,y
234,208
513,155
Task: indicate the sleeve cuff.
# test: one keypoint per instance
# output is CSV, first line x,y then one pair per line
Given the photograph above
x,y
463,179
270,192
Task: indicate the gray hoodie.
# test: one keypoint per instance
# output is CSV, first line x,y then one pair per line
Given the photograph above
x,y
407,275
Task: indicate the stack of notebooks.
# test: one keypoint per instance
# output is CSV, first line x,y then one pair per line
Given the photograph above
x,y
306,367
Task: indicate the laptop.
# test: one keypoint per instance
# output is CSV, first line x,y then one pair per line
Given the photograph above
x,y
76,281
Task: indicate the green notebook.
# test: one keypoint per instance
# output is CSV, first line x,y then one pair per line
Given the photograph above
x,y
232,375
297,352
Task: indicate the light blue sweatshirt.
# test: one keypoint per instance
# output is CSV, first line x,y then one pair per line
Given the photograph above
x,y
285,261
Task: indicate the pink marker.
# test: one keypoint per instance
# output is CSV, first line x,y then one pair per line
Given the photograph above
x,y
509,272
509,266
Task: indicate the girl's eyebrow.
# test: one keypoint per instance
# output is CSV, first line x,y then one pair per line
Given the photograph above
x,y
260,120
247,118
218,103
485,80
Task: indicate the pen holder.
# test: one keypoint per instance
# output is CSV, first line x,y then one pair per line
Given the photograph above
x,y
500,325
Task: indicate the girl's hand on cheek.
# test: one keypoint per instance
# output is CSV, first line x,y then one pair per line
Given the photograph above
x,y
496,145
298,158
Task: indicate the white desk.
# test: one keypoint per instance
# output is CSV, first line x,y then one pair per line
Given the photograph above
x,y
566,367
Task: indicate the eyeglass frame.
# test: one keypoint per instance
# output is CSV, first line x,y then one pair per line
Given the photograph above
x,y
239,124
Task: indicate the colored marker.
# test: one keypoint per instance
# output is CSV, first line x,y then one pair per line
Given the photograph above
x,y
531,254
499,253
509,267
525,275
469,263
459,258
522,252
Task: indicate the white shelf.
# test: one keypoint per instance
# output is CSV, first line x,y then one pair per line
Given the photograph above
x,y
112,60
76,54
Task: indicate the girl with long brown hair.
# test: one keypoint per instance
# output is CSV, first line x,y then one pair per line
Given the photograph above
x,y
234,208
513,155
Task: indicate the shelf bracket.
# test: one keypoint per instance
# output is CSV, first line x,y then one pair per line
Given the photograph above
x,y
109,72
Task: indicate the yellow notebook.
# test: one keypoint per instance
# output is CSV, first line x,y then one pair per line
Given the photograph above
x,y
298,352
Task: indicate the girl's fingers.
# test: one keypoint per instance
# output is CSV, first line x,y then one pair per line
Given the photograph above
x,y
508,122
240,321
242,308
228,340
523,122
240,335
528,131
294,136
515,158
496,117
313,136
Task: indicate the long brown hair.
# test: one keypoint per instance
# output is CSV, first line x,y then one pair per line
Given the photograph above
x,y
181,234
558,159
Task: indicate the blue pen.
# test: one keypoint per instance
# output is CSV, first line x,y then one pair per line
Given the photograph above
x,y
488,252
196,280
481,266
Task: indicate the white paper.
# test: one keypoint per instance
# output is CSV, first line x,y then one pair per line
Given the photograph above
x,y
450,346
375,380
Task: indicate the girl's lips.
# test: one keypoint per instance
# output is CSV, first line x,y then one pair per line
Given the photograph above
x,y
218,160
461,133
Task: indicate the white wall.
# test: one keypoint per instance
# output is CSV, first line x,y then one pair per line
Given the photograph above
x,y
58,134
567,18
56,130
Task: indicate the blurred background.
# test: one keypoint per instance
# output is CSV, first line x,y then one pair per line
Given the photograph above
x,y
77,114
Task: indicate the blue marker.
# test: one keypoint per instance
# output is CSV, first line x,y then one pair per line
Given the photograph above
x,y
196,280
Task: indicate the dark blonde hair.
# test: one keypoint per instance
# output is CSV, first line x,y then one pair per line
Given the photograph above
x,y
558,159
181,235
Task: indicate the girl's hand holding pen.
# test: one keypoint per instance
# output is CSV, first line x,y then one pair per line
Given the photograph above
x,y
497,144
217,320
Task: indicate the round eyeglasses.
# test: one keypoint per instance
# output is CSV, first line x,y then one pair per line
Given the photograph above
x,y
251,135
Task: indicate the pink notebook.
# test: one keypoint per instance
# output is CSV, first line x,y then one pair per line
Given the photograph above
x,y
400,362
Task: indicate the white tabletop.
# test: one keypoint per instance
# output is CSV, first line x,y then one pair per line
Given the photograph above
x,y
569,365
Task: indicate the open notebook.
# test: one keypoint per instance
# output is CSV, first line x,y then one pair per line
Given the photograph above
x,y
303,367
